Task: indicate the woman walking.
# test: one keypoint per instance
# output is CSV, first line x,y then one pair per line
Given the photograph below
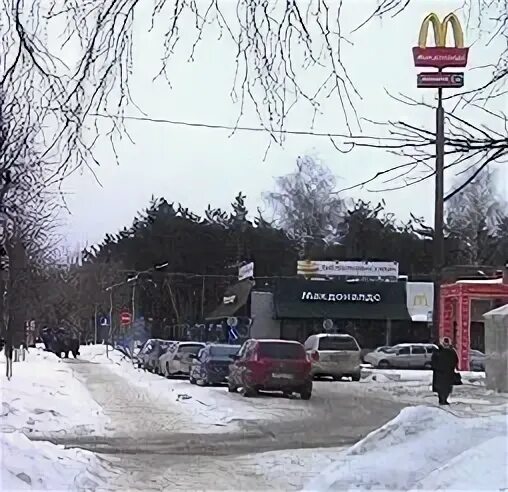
x,y
444,363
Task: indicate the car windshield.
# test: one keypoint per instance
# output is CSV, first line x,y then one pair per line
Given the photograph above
x,y
275,350
224,351
338,343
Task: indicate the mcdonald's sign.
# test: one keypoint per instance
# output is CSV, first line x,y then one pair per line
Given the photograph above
x,y
440,55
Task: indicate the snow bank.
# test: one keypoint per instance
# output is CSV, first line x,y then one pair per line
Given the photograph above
x,y
424,448
28,465
43,398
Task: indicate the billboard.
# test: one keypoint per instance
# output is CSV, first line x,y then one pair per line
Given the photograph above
x,y
346,268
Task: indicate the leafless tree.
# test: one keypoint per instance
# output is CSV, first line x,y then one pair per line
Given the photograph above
x,y
306,205
476,120
474,216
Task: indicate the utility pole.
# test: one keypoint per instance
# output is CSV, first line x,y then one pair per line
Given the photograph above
x,y
438,245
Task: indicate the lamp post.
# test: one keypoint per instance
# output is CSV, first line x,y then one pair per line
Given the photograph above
x,y
110,289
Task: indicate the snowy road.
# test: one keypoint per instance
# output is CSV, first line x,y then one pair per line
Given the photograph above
x,y
158,443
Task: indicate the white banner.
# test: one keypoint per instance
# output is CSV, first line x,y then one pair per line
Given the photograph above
x,y
420,300
383,269
246,271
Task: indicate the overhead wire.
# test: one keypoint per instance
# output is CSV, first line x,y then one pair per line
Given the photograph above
x,y
233,128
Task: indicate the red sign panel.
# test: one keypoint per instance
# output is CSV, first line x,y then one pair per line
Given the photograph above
x,y
125,318
440,57
440,79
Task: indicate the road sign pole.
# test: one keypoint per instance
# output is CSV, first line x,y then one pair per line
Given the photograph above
x,y
438,212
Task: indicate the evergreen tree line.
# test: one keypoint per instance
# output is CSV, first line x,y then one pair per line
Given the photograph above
x,y
305,218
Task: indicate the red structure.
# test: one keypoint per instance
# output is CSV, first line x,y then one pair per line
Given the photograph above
x,y
455,312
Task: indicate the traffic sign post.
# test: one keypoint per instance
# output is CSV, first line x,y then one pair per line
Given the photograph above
x,y
125,318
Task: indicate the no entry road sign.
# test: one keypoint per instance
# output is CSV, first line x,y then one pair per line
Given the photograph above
x,y
125,318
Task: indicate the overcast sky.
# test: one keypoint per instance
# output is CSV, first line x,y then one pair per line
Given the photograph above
x,y
201,166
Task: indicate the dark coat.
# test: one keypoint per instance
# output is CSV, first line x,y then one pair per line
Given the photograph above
x,y
444,362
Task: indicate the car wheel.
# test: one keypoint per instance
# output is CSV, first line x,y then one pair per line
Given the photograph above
x,y
383,364
427,365
356,377
306,391
248,392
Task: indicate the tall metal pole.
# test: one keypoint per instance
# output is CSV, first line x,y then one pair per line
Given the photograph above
x,y
438,213
133,317
95,325
110,331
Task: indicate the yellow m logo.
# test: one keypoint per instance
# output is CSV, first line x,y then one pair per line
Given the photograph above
x,y
420,300
441,31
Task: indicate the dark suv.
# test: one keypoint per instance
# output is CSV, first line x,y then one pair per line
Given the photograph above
x,y
272,365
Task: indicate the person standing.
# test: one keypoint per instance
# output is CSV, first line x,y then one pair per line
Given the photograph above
x,y
444,362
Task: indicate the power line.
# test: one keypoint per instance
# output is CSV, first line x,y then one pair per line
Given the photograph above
x,y
214,126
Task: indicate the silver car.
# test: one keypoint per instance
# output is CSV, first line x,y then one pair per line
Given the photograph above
x,y
177,360
403,356
335,355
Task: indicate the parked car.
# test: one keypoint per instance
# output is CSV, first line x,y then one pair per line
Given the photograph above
x,y
272,365
403,356
365,352
335,355
476,360
177,359
148,356
211,365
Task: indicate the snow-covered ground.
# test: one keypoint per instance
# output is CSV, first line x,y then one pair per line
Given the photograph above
x,y
28,465
44,399
213,409
210,409
424,448
414,387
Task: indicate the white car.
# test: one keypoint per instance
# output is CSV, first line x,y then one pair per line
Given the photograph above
x,y
403,356
177,360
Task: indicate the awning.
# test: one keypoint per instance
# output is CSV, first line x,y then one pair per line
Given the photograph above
x,y
299,298
235,297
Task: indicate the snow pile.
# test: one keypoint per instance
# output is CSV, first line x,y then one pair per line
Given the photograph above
x,y
44,398
27,465
424,448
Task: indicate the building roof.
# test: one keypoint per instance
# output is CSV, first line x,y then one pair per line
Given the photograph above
x,y
500,311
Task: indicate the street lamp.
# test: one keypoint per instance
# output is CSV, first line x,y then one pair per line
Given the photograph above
x,y
110,289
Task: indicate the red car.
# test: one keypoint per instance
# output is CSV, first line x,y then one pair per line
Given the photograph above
x,y
272,365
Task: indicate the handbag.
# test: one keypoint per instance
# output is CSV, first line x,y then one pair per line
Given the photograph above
x,y
457,379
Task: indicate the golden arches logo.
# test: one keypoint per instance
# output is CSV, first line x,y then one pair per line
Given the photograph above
x,y
420,300
441,31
